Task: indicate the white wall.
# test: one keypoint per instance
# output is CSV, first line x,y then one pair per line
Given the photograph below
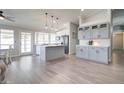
x,y
17,30
69,30
65,30
99,17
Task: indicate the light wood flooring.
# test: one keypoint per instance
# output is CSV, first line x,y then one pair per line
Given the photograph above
x,y
68,70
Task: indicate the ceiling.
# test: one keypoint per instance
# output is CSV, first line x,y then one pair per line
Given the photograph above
x,y
35,18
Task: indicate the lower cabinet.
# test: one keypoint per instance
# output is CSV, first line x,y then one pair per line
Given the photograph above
x,y
78,52
100,54
81,52
92,53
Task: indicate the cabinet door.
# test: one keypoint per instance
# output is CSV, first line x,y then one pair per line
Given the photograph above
x,y
102,55
92,53
95,34
88,34
78,52
84,35
82,52
104,34
85,53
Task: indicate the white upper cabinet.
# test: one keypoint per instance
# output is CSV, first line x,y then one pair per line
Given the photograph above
x,y
104,30
95,32
98,31
84,33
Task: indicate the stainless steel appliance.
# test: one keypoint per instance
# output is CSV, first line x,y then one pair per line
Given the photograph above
x,y
65,42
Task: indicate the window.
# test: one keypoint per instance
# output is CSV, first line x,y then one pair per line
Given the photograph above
x,y
45,38
6,38
25,42
41,38
52,38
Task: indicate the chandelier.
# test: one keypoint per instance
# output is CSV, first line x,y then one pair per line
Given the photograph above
x,y
53,26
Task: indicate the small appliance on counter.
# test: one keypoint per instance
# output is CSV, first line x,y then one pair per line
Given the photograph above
x,y
90,42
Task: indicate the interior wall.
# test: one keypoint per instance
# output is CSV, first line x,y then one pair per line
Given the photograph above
x,y
71,30
64,31
73,38
99,17
118,20
17,31
118,16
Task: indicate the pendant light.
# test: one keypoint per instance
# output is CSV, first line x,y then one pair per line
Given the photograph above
x,y
57,24
52,23
46,25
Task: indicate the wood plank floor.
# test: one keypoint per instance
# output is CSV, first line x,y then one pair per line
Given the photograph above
x,y
68,70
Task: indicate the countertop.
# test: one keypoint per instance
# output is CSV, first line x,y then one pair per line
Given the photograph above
x,y
94,45
51,45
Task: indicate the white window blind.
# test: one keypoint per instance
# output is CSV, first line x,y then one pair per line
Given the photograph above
x,y
25,42
6,38
41,38
45,38
52,38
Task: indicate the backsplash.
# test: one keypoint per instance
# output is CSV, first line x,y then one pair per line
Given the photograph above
x,y
99,42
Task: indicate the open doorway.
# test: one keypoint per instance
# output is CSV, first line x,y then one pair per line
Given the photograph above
x,y
118,36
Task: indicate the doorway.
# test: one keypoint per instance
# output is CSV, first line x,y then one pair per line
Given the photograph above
x,y
25,43
118,36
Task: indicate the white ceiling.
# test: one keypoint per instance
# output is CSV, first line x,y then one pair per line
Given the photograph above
x,y
35,18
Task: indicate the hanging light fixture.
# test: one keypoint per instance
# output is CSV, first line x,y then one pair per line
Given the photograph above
x,y
46,25
57,24
52,26
54,23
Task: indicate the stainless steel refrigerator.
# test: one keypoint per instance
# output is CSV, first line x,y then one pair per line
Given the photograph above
x,y
65,42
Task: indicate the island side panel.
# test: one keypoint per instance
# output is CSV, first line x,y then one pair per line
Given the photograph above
x,y
43,53
54,52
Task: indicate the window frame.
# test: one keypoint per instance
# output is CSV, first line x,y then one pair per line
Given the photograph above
x,y
13,37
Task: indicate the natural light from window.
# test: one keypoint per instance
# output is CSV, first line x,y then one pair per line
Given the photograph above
x,y
6,38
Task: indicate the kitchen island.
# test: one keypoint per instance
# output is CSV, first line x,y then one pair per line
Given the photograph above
x,y
50,52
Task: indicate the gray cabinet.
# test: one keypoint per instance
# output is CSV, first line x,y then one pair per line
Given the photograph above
x,y
82,52
102,55
84,33
92,53
99,54
78,52
99,31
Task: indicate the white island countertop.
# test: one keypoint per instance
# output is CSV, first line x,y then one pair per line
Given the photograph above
x,y
52,45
